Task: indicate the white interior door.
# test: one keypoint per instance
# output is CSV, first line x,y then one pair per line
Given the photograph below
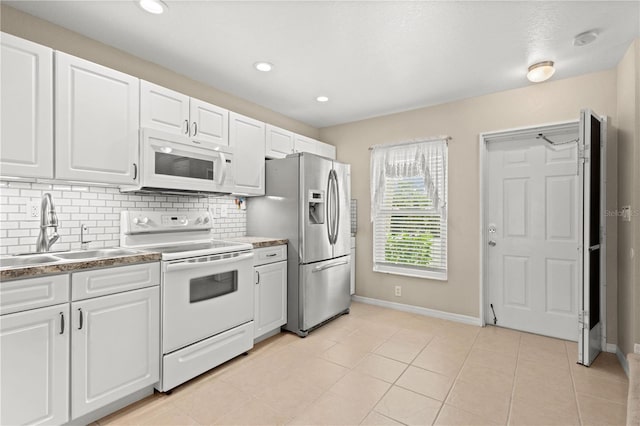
x,y
534,234
593,141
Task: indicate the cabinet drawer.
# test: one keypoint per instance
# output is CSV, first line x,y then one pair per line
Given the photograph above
x,y
270,254
30,293
100,282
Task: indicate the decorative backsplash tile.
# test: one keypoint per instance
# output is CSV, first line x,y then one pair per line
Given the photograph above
x,y
99,209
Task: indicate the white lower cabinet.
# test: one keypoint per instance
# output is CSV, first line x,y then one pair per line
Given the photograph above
x,y
270,302
71,359
114,348
34,361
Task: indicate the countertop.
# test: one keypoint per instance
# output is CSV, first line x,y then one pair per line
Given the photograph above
x,y
260,242
67,266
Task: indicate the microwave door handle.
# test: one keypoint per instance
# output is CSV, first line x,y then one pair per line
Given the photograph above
x,y
223,172
180,266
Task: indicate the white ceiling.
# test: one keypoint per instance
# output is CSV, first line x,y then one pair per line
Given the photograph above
x,y
369,58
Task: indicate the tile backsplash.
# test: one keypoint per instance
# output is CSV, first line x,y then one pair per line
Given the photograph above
x,y
99,209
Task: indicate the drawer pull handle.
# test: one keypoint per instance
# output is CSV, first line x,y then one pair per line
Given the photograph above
x,y
258,274
272,254
81,319
61,322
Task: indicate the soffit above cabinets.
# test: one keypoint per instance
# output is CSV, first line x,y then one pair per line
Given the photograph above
x,y
368,58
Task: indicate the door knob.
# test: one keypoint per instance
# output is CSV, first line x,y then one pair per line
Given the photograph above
x,y
492,243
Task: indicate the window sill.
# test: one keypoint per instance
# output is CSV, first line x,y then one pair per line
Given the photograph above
x,y
409,272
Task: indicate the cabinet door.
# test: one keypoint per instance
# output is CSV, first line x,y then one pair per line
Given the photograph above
x,y
279,142
209,123
34,357
97,122
270,298
26,78
325,150
115,348
304,144
163,109
247,136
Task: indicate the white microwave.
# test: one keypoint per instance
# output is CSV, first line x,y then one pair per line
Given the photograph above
x,y
174,163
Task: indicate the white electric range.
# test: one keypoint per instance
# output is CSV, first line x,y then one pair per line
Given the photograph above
x,y
206,290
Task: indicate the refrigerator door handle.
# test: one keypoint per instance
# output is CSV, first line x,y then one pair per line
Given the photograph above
x,y
329,265
328,217
336,195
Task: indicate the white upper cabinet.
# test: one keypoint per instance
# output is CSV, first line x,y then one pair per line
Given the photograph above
x,y
279,142
97,122
326,150
209,123
173,112
26,97
247,137
305,144
163,109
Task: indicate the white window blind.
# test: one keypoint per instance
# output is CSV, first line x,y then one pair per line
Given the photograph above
x,y
409,209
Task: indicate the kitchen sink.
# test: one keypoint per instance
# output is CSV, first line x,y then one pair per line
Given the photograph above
x,y
95,254
61,257
36,259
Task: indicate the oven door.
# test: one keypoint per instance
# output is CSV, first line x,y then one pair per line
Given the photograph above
x,y
175,162
204,296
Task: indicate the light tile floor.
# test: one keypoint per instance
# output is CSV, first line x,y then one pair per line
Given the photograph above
x,y
378,366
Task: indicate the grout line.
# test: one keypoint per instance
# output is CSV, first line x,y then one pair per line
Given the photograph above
x,y
456,378
513,384
573,386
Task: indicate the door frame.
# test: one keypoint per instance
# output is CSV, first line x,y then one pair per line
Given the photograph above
x,y
484,140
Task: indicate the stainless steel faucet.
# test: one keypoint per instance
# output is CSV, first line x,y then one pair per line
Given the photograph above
x,y
48,219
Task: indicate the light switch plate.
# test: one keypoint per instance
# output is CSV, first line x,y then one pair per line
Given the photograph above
x,y
636,348
626,213
223,211
33,210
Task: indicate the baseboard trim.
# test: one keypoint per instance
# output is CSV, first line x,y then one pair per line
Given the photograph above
x,y
623,361
464,319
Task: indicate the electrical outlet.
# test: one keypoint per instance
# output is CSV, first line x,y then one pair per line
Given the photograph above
x,y
223,211
398,291
33,210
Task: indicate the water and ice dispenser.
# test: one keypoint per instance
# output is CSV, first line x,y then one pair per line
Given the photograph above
x,y
316,200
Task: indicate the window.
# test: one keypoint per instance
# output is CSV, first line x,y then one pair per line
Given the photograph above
x,y
409,208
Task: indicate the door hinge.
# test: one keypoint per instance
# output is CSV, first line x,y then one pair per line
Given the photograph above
x,y
582,318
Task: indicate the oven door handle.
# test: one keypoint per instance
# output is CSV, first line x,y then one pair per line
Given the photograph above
x,y
179,266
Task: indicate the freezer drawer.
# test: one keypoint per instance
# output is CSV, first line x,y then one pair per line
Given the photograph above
x,y
324,290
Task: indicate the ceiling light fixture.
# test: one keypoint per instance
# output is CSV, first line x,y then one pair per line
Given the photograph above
x,y
322,99
153,6
541,71
263,66
585,38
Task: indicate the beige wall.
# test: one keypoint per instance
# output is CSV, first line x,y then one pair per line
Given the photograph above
x,y
31,28
464,120
628,96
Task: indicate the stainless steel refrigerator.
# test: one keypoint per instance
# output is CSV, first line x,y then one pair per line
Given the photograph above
x,y
307,201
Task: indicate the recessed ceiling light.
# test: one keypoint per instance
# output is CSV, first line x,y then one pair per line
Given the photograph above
x,y
585,38
153,6
263,66
322,99
541,71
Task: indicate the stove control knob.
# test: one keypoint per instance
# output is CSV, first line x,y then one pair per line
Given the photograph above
x,y
205,220
140,220
198,221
